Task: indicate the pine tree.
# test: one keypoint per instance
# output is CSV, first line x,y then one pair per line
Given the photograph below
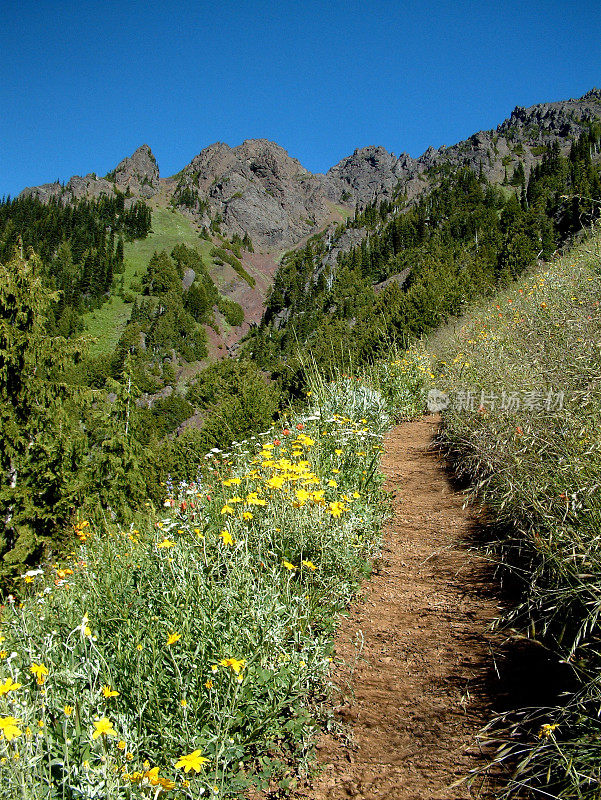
x,y
115,477
40,448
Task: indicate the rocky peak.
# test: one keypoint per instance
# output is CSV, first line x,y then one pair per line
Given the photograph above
x,y
562,118
592,94
268,159
208,166
255,188
77,188
368,173
139,173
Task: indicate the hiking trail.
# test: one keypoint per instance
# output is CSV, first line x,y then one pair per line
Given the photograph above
x,y
413,658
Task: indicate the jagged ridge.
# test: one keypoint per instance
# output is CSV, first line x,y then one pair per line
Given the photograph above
x,y
257,188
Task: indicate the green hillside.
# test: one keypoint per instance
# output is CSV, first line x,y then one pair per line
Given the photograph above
x,y
169,228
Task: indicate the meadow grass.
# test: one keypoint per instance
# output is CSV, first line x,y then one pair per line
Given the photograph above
x,y
523,379
189,654
106,324
169,228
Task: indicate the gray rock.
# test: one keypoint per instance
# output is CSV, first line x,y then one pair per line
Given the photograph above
x,y
256,188
78,187
369,174
139,173
188,278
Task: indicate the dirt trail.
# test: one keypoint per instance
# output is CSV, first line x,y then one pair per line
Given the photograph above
x,y
419,688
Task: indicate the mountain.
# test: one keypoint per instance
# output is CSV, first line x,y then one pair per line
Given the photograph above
x,y
258,189
137,175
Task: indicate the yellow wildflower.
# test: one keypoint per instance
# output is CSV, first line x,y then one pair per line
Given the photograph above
x,y
68,710
9,727
9,686
547,729
173,638
235,664
84,627
302,495
288,565
310,565
104,727
40,671
166,543
153,776
253,499
108,692
193,761
226,536
336,508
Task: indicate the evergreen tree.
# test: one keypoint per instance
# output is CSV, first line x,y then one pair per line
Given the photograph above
x,y
40,448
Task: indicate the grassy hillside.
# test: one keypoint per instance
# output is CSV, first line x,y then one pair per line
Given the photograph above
x,y
169,228
106,324
522,377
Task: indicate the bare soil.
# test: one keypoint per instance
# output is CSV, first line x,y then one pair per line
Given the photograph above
x,y
414,663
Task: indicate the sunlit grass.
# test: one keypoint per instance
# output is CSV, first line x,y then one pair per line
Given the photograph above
x,y
530,441
169,228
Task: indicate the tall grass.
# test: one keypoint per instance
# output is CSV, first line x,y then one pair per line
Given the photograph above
x,y
383,391
524,380
188,654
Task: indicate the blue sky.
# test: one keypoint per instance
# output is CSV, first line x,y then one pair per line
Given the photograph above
x,y
83,84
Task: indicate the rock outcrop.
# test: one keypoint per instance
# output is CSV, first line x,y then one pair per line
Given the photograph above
x,y
138,174
255,188
370,173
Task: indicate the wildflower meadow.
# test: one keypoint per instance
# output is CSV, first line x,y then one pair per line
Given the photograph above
x,y
189,654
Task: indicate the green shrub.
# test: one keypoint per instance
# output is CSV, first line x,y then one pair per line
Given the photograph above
x,y
232,311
